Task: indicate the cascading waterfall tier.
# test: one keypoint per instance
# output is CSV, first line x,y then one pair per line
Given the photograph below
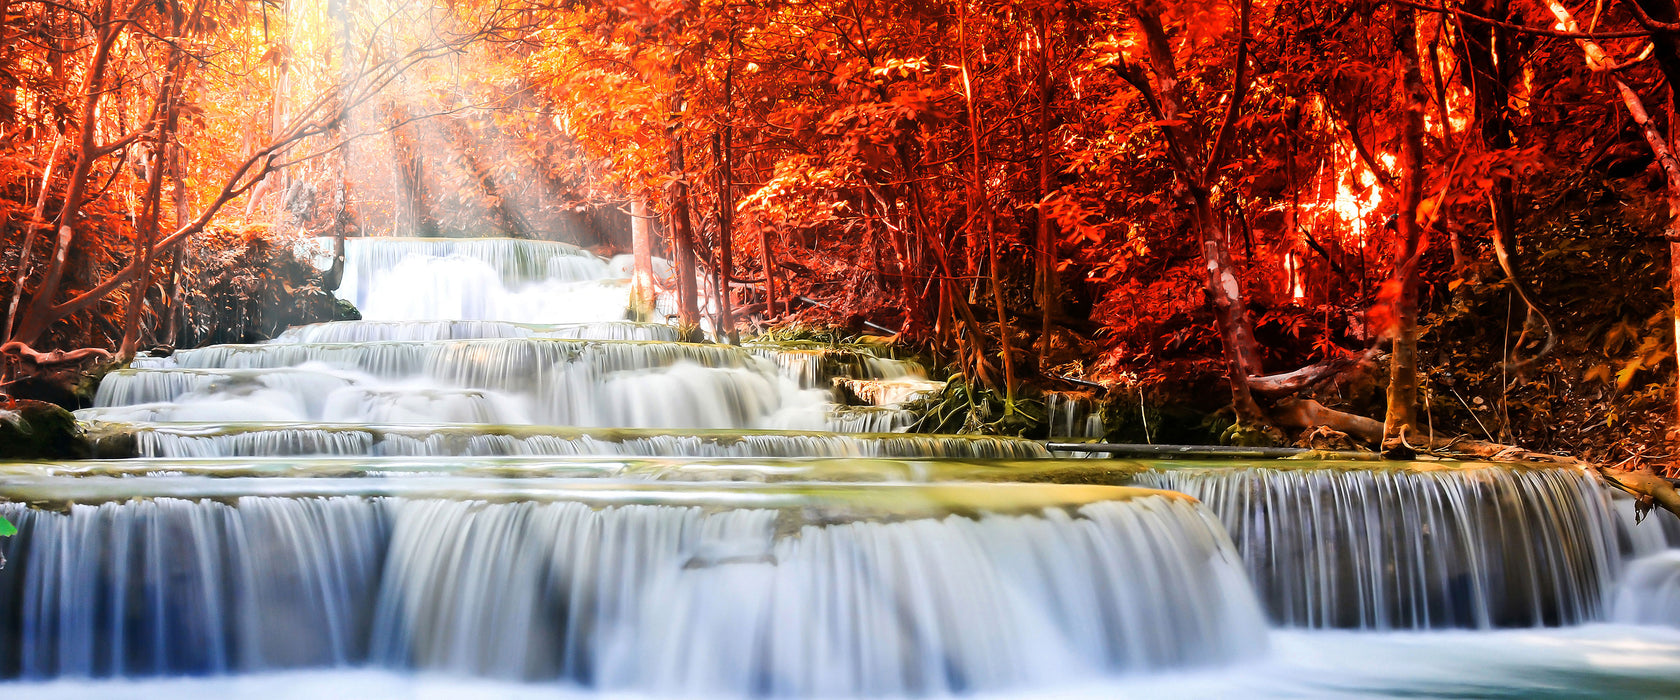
x,y
1414,546
1352,544
288,439
503,380
425,279
376,331
818,365
811,590
1073,416
499,331
723,471
1650,591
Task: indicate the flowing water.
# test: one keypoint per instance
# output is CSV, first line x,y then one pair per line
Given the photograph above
x,y
494,486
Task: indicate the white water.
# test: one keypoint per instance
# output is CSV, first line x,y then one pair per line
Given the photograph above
x,y
417,566
1592,661
657,598
1389,548
221,440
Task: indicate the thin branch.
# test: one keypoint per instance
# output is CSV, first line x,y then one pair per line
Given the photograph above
x,y
1520,28
1239,89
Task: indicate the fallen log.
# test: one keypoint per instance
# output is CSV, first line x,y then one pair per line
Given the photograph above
x,y
1307,414
1219,451
1289,383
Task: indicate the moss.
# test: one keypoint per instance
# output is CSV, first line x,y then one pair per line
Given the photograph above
x,y
803,503
343,310
40,430
1249,436
88,386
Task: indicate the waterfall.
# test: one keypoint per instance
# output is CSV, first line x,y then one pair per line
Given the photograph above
x,y
402,279
496,381
1650,592
376,331
468,347
646,597
497,479
868,419
816,365
169,586
1414,547
219,440
1074,416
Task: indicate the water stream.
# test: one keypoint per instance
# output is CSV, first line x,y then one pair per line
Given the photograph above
x,y
494,486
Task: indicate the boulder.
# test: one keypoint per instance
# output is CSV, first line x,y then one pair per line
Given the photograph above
x,y
32,429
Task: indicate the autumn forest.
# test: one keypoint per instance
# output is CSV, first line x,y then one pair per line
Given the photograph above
x,y
1396,225
569,349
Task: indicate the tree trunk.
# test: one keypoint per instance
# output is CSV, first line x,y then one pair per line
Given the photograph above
x,y
36,223
1402,290
344,219
1194,184
178,167
165,111
145,238
682,231
1242,356
1048,295
771,310
8,79
980,210
643,291
726,235
414,204
39,315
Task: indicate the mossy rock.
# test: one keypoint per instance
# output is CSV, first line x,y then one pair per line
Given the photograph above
x,y
40,430
343,310
1239,435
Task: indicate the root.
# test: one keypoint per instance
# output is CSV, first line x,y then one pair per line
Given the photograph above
x,y
56,357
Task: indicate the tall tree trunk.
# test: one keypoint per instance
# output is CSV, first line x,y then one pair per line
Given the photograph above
x,y
1230,312
1048,294
1667,55
682,231
725,159
1489,67
726,235
178,170
643,291
344,218
1402,290
36,223
39,315
768,256
165,112
980,210
8,78
145,238
414,204
1195,181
